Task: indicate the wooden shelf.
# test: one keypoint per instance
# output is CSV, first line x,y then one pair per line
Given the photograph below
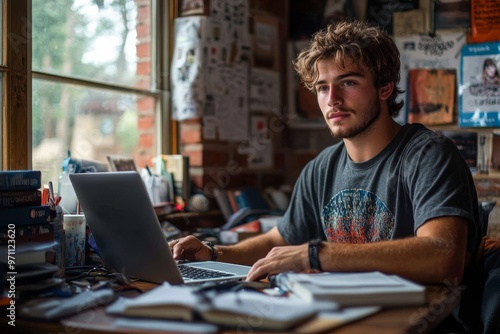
x,y
191,221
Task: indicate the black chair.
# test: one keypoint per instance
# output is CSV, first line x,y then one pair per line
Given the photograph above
x,y
490,261
485,209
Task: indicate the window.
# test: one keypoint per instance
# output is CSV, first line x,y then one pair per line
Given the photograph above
x,y
96,83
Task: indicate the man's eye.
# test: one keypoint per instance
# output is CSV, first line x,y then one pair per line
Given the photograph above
x,y
322,88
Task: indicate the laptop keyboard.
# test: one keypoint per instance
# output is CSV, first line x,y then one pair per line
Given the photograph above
x,y
200,273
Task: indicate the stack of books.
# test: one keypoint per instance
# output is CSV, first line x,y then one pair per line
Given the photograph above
x,y
26,234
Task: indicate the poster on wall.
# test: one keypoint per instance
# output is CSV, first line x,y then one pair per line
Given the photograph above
x,y
440,51
188,86
432,96
479,91
485,21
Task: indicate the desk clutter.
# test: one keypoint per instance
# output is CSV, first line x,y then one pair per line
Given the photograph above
x,y
31,231
37,240
246,306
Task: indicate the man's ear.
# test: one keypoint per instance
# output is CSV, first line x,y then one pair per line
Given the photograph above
x,y
386,90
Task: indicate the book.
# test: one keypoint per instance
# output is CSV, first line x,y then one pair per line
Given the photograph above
x,y
29,233
223,202
250,197
230,308
20,180
353,289
178,165
9,199
27,215
26,254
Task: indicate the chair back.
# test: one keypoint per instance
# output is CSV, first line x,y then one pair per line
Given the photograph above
x,y
485,209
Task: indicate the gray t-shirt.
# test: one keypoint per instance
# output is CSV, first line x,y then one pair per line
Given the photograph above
x,y
420,175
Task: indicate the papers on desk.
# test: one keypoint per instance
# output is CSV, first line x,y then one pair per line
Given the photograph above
x,y
243,308
353,289
181,309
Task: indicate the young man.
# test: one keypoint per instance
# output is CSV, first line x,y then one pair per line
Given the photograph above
x,y
398,199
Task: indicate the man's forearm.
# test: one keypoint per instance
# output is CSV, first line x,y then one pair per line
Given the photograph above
x,y
250,250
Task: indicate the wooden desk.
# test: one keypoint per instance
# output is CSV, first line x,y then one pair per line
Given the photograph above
x,y
419,320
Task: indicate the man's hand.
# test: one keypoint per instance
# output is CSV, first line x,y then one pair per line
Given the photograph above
x,y
190,248
281,259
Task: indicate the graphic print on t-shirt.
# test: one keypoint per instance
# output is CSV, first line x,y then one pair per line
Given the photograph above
x,y
357,216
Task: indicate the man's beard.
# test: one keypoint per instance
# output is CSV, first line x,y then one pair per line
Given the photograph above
x,y
364,126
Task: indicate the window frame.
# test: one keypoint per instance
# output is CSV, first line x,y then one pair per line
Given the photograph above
x,y
16,109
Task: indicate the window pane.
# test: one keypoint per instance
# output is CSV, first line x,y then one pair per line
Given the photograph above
x,y
103,40
91,124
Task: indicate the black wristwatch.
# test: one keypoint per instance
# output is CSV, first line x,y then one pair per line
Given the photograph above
x,y
212,247
314,246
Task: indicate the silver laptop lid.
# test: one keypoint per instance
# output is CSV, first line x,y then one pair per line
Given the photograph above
x,y
125,226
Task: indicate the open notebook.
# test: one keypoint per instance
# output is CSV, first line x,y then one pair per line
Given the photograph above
x,y
128,234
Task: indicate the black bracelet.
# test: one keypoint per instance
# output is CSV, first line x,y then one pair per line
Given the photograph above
x,y
314,246
212,247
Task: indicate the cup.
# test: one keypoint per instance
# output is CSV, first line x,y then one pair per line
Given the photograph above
x,y
75,235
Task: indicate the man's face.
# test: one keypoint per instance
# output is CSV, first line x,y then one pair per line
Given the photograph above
x,y
347,97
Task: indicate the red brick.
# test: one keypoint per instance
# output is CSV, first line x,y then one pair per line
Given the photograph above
x,y
146,140
146,123
190,133
143,68
143,30
143,14
143,50
145,104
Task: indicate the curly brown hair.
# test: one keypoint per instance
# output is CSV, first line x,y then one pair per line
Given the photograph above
x,y
368,46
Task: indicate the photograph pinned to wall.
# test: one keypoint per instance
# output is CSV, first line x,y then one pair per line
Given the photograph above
x,y
410,22
194,7
484,21
451,14
303,110
188,87
479,91
427,52
265,90
121,163
381,12
432,96
467,144
259,149
265,42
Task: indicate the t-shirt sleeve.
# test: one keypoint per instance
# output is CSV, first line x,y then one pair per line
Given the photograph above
x,y
301,221
439,182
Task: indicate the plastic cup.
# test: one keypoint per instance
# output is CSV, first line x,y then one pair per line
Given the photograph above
x,y
75,238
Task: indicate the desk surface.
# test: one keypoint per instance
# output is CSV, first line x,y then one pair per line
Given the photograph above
x,y
441,301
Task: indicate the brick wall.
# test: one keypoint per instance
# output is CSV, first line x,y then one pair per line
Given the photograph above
x,y
216,163
145,105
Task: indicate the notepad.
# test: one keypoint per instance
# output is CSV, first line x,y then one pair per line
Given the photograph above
x,y
353,289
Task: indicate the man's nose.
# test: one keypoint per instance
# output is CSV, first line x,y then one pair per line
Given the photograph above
x,y
334,97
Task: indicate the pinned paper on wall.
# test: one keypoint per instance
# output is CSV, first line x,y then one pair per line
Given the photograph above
x,y
479,90
441,51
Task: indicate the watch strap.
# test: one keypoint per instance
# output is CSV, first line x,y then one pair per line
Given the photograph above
x,y
314,262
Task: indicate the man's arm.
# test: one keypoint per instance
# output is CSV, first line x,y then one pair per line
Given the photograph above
x,y
437,254
246,252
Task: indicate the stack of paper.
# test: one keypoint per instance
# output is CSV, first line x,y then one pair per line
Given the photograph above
x,y
352,289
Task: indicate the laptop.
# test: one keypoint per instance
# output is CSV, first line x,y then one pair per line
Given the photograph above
x,y
128,234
